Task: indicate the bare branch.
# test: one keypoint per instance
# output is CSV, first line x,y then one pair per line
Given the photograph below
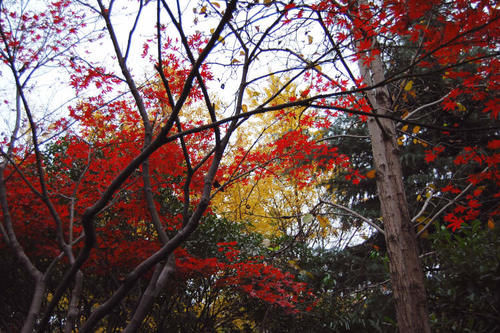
x,y
356,214
451,202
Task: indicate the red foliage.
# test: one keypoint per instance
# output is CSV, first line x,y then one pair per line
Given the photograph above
x,y
449,34
80,165
291,155
470,209
431,155
31,38
252,276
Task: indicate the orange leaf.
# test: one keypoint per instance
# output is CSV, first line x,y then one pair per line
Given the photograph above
x,y
371,174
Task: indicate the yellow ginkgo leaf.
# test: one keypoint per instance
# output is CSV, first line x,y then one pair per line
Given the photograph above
x,y
216,4
235,61
416,129
310,39
404,128
400,140
323,221
409,85
293,264
461,107
306,273
244,108
425,233
422,219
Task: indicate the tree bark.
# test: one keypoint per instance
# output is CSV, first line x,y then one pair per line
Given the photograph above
x,y
406,271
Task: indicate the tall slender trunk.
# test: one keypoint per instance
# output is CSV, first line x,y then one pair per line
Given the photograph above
x,y
406,271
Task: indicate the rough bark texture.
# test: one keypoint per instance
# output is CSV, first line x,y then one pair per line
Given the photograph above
x,y
406,271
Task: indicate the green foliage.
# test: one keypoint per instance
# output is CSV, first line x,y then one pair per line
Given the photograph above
x,y
350,136
351,285
215,230
463,279
462,270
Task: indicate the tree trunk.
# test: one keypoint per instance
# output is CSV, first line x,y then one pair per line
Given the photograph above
x,y
406,272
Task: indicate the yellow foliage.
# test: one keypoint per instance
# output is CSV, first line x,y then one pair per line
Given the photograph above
x,y
144,230
323,222
491,224
423,221
240,323
306,273
424,234
266,202
409,85
461,107
273,202
223,306
293,264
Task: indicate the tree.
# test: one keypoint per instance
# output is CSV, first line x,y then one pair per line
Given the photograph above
x,y
98,186
365,24
276,183
126,177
